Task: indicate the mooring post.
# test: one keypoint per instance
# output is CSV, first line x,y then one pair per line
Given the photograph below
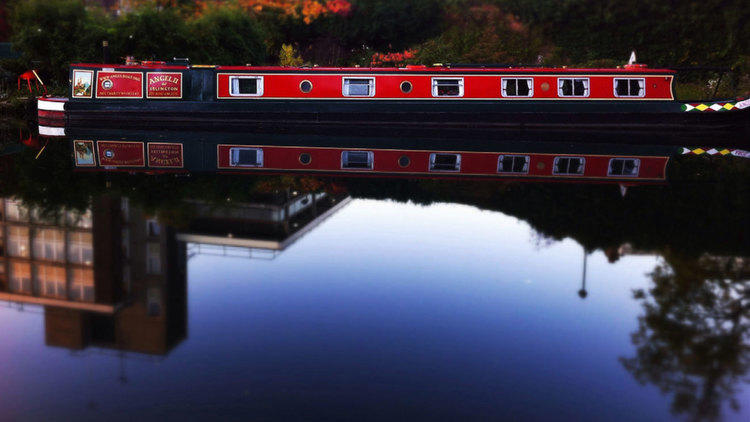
x,y
105,51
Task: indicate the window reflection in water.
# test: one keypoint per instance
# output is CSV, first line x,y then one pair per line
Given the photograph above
x,y
14,211
18,241
80,248
153,258
20,277
50,280
78,219
82,285
49,244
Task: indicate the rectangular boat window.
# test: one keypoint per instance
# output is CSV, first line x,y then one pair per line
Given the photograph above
x,y
513,164
518,87
445,162
447,87
246,86
357,160
246,157
624,167
573,87
359,87
568,165
630,87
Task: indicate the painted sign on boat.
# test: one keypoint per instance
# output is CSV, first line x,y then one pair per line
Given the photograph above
x,y
120,154
164,85
119,84
165,155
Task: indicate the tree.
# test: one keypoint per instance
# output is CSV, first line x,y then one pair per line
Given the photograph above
x,y
4,24
53,33
288,56
483,34
227,35
150,32
692,340
684,33
388,25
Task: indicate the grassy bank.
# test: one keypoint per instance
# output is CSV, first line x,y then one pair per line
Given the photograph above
x,y
17,105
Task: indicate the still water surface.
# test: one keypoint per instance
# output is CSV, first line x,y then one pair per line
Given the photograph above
x,y
295,298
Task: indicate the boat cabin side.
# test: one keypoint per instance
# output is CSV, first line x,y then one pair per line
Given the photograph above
x,y
157,82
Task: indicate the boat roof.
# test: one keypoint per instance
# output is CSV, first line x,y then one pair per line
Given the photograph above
x,y
448,68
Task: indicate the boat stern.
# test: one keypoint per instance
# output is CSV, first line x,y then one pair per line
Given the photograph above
x,y
51,111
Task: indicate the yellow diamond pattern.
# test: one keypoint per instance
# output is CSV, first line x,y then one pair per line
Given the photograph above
x,y
699,151
728,106
725,152
701,107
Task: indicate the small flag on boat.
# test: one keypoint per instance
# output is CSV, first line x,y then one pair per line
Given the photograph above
x,y
714,151
632,59
723,106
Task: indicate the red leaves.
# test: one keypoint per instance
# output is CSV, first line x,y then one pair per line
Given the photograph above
x,y
394,59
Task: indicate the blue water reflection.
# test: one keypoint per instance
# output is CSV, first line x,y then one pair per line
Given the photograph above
x,y
384,311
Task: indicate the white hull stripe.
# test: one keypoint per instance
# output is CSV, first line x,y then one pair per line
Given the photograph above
x,y
50,105
51,131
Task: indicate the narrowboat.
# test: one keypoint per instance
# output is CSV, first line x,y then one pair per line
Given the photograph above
x,y
185,152
628,104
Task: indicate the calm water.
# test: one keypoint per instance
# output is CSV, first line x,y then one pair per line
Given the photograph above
x,y
301,298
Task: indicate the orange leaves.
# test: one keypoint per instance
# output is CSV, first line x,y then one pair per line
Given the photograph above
x,y
308,10
311,10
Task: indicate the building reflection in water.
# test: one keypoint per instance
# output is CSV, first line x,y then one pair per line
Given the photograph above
x,y
258,229
114,277
109,277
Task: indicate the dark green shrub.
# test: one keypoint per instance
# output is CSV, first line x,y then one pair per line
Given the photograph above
x,y
226,36
150,33
53,33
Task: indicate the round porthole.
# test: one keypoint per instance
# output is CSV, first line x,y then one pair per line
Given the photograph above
x,y
305,158
545,86
305,86
406,87
404,161
540,165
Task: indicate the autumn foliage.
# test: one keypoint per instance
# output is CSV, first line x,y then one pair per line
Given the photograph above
x,y
307,10
54,33
393,59
485,33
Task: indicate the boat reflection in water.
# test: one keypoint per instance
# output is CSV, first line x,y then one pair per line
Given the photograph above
x,y
253,153
111,272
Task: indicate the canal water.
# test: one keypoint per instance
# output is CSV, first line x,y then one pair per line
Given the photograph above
x,y
299,297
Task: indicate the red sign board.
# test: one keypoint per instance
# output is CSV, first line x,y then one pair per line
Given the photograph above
x,y
164,85
120,154
119,84
165,155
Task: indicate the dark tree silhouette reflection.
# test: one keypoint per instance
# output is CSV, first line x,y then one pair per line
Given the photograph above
x,y
692,339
